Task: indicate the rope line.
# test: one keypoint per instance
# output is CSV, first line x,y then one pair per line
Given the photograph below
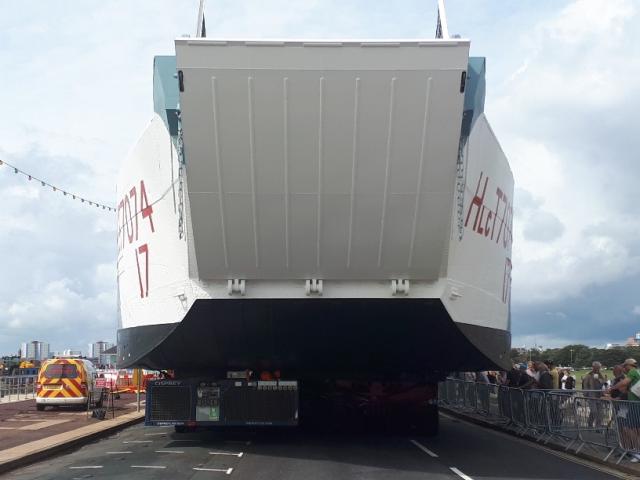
x,y
65,193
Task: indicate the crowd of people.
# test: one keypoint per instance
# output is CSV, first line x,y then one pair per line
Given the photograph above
x,y
624,384
547,376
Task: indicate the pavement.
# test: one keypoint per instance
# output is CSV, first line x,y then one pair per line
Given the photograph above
x,y
28,435
16,397
461,451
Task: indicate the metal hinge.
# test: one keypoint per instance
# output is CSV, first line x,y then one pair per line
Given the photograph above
x,y
180,81
235,287
399,287
463,81
313,287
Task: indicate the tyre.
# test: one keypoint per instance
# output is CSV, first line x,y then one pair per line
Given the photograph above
x,y
40,407
180,428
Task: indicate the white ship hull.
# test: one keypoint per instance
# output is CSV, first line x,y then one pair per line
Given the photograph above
x,y
318,208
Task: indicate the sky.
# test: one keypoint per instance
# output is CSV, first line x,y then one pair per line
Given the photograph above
x,y
562,96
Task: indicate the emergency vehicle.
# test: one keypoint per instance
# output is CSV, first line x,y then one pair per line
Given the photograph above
x,y
67,381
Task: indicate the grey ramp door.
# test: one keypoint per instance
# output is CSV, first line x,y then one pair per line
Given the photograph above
x,y
300,166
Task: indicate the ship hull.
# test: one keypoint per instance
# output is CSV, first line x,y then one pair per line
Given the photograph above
x,y
335,338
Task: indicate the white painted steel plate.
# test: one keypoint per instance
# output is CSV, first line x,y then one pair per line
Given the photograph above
x,y
315,160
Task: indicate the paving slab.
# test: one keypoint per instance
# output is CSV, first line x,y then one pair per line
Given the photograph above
x,y
21,423
27,435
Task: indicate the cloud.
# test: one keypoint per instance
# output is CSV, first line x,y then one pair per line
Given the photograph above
x,y
543,227
636,310
561,99
573,225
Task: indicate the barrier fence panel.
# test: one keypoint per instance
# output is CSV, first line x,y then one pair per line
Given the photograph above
x,y
504,402
626,416
482,398
517,406
18,387
561,416
536,413
581,418
470,397
595,422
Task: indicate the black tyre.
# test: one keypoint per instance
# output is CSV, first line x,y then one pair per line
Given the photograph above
x,y
40,407
180,428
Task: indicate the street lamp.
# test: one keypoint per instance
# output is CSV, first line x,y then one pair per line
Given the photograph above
x,y
571,362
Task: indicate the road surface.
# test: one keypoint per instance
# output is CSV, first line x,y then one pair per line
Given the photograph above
x,y
461,451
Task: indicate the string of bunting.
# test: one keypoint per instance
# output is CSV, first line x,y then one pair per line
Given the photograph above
x,y
17,171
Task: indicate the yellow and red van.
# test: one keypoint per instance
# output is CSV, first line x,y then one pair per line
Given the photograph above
x,y
67,381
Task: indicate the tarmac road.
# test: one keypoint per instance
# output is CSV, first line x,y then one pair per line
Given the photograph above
x,y
461,451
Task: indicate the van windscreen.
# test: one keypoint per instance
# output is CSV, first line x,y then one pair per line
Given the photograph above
x,y
61,370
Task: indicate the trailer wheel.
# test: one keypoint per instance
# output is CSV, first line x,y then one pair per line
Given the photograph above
x,y
180,428
40,407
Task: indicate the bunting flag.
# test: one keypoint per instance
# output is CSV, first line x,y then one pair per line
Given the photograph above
x,y
16,171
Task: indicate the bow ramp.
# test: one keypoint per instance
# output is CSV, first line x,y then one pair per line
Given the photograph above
x,y
332,160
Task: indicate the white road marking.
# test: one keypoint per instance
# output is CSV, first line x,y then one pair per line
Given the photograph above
x,y
45,424
424,449
228,471
86,466
137,441
147,466
460,474
187,440
153,434
239,455
550,451
169,451
116,453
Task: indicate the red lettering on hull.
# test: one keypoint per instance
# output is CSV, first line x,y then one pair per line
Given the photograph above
x,y
494,224
128,213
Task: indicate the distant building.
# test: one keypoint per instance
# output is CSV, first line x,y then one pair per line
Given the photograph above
x,y
109,357
67,353
96,349
632,341
34,350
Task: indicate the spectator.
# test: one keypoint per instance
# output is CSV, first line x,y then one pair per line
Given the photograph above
x,y
594,380
545,380
555,374
531,371
618,376
525,381
493,377
630,421
481,377
569,381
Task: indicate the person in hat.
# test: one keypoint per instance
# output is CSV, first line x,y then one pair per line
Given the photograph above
x,y
630,367
630,423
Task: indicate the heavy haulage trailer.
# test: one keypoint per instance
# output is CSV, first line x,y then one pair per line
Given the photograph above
x,y
313,226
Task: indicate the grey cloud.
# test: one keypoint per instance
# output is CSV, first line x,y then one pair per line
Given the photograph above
x,y
543,226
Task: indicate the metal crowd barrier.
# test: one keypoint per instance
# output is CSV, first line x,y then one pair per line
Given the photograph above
x,y
18,386
574,418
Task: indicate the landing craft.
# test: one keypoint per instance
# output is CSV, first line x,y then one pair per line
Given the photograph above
x,y
336,209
